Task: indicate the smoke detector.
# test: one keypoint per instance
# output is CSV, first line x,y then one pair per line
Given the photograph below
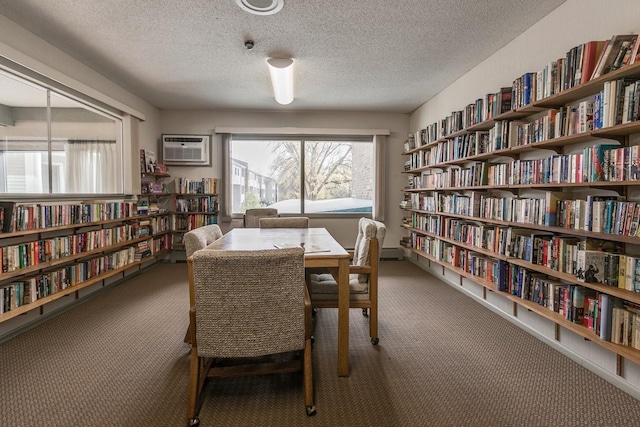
x,y
261,7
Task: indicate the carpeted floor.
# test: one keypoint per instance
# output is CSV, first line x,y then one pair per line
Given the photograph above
x,y
443,360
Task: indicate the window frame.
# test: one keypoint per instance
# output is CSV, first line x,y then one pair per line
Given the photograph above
x,y
368,138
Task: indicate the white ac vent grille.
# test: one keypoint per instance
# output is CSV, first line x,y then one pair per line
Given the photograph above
x,y
186,150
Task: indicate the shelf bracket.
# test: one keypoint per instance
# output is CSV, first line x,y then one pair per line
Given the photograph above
x,y
619,365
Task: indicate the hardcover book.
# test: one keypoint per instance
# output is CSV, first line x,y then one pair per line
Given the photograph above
x,y
591,266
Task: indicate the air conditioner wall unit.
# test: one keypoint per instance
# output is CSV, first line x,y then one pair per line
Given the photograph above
x,y
186,150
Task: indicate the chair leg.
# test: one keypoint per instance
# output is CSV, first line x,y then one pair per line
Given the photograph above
x,y
308,379
192,397
373,325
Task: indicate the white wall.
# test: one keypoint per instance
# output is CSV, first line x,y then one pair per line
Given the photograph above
x,y
204,122
573,23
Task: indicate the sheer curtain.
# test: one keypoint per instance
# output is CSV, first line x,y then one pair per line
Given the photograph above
x,y
380,197
91,166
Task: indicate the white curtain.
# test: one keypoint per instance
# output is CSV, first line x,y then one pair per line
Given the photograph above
x,y
227,179
380,197
91,167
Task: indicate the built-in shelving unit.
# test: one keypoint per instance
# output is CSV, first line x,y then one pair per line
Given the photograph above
x,y
482,186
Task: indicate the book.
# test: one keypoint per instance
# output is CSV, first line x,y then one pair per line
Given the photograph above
x,y
610,58
7,215
606,305
590,266
143,161
611,272
579,293
150,161
590,53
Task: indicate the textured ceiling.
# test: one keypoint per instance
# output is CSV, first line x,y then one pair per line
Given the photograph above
x,y
371,55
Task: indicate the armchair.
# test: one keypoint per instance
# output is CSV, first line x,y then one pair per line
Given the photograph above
x,y
363,277
247,307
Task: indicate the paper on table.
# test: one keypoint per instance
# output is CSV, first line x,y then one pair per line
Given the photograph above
x,y
307,248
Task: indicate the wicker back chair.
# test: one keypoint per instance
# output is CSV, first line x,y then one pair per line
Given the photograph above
x,y
252,216
363,277
285,222
248,304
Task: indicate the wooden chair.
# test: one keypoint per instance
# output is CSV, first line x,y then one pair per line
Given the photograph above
x,y
363,276
252,216
244,312
285,222
196,239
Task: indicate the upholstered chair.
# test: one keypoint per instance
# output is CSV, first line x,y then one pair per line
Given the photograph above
x,y
201,237
285,222
196,239
247,307
252,216
363,276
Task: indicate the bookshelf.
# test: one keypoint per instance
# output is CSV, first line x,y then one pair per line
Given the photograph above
x,y
55,250
192,204
505,193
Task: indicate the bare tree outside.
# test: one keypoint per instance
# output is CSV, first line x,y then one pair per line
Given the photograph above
x,y
328,168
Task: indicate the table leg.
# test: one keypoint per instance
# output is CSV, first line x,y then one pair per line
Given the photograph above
x,y
343,318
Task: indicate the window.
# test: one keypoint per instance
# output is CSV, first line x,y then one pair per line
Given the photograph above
x,y
51,143
303,175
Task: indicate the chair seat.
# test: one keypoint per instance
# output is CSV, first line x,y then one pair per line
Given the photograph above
x,y
324,285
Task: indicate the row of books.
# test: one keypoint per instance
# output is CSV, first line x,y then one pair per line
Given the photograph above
x,y
191,186
601,162
193,221
197,204
152,187
149,163
590,260
161,243
15,257
143,250
617,103
608,317
27,291
600,214
581,64
31,216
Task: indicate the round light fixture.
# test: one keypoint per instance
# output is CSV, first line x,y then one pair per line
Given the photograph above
x,y
261,7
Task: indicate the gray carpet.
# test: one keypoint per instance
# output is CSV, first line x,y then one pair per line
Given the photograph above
x,y
443,360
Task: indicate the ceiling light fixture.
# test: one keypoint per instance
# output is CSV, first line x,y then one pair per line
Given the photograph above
x,y
261,7
281,72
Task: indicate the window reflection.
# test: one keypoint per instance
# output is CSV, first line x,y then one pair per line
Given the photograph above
x,y
82,154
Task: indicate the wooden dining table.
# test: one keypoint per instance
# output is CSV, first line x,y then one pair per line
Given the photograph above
x,y
321,251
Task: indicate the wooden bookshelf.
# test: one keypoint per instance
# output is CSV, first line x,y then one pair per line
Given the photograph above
x,y
192,206
94,250
449,157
